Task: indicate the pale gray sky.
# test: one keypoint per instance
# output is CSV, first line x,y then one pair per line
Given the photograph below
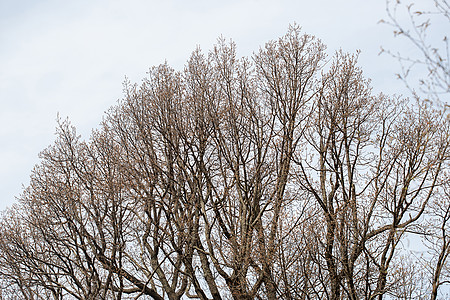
x,y
71,57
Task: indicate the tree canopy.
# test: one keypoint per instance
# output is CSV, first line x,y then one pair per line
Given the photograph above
x,y
277,176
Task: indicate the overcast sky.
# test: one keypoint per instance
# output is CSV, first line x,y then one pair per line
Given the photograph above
x,y
71,57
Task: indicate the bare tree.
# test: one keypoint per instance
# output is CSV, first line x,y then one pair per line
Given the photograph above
x,y
271,177
427,74
372,166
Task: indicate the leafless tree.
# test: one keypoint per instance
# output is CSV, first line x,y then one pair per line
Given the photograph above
x,y
371,163
272,177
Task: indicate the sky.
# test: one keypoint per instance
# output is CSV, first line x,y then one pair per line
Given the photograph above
x,y
70,58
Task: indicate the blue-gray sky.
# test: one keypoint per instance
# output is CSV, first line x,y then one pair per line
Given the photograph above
x,y
71,57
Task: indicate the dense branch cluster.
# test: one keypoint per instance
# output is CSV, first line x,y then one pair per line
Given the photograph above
x,y
279,176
